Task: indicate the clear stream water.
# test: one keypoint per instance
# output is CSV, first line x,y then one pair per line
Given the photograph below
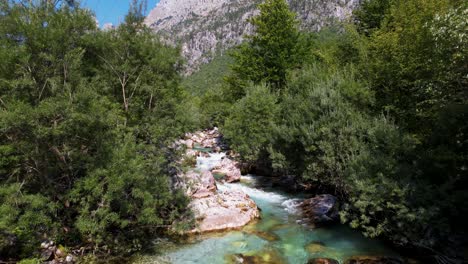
x,y
278,237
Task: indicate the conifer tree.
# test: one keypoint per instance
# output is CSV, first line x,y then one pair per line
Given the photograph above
x,y
270,52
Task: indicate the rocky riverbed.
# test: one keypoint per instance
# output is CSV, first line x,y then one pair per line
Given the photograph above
x,y
214,210
299,228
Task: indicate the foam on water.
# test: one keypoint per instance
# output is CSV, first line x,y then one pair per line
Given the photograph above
x,y
291,205
248,178
255,193
208,163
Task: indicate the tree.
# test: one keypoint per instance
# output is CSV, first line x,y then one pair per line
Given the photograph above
x,y
249,126
270,52
79,164
370,15
405,69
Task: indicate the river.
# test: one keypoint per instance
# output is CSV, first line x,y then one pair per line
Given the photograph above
x,y
278,237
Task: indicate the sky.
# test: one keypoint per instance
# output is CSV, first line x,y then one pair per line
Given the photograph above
x,y
112,11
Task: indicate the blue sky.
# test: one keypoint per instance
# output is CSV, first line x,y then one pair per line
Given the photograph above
x,y
111,11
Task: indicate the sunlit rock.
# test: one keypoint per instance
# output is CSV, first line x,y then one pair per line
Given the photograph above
x,y
262,257
223,211
315,247
230,169
322,261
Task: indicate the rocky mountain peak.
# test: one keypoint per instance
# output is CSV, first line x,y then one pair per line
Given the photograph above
x,y
205,28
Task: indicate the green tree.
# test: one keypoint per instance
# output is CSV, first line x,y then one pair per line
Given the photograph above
x,y
248,128
407,69
270,52
370,15
79,164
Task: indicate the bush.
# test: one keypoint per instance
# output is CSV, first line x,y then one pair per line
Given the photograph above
x,y
24,220
319,124
130,198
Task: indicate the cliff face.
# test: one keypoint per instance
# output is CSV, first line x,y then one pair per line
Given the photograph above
x,y
204,28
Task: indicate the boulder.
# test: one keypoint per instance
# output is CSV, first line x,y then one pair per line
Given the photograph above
x,y
192,153
271,237
320,209
189,143
373,260
208,143
323,261
59,253
262,257
229,169
222,211
204,154
199,185
188,135
315,247
216,149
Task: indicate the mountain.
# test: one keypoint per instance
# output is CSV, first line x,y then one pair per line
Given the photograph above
x,y
205,28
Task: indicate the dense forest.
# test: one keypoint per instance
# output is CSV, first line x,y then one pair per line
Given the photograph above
x,y
373,110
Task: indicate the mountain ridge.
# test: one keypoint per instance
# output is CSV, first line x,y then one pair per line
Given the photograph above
x,y
205,28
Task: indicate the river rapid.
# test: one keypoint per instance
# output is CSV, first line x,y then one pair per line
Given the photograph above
x,y
278,237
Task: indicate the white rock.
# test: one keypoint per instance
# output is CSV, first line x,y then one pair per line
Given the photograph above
x,y
230,169
189,143
225,210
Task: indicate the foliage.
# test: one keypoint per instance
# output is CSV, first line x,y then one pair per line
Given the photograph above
x,y
411,73
319,125
209,77
85,118
370,14
267,55
25,217
207,86
130,194
374,112
248,127
417,72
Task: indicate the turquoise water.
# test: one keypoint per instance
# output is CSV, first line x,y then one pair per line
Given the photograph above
x,y
278,237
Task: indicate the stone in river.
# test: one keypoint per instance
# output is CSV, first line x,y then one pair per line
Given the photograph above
x,y
230,169
262,257
199,185
222,211
322,261
320,209
373,260
315,247
265,235
189,143
239,244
